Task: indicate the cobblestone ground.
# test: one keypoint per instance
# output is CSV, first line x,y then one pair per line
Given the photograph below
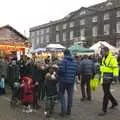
x,y
81,110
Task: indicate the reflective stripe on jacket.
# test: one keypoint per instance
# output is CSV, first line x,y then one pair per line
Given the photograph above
x,y
109,65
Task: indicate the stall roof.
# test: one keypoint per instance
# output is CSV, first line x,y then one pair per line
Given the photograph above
x,y
39,50
56,46
99,44
13,29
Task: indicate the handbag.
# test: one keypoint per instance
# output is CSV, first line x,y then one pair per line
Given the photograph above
x,y
95,82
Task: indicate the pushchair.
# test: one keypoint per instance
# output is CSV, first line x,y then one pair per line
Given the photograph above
x,y
27,93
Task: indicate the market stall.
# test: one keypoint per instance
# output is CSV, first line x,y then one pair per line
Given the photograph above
x,y
52,50
38,50
7,49
12,41
55,47
77,49
97,47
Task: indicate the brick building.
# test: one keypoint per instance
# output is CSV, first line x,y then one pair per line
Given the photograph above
x,y
100,22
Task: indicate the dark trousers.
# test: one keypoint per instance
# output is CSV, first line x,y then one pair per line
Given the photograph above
x,y
119,75
66,105
15,94
107,96
85,81
41,91
50,103
2,91
35,97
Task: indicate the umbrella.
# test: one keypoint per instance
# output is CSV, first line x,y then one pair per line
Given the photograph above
x,y
78,49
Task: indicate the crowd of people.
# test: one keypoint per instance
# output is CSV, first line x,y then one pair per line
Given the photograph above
x,y
47,80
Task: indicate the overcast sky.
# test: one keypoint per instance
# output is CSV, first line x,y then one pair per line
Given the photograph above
x,y
23,14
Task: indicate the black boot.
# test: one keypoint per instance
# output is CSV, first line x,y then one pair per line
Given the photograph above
x,y
114,105
103,113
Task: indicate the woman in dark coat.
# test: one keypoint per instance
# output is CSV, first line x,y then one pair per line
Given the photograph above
x,y
29,66
39,76
13,73
13,76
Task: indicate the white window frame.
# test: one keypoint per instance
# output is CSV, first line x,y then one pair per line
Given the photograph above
x,y
57,37
71,35
118,13
95,19
42,31
83,12
47,30
106,29
41,39
37,40
118,43
94,31
82,22
64,26
32,35
71,24
37,33
82,34
57,27
47,38
106,16
64,36
118,27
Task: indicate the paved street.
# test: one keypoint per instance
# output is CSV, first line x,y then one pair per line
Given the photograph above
x,y
81,110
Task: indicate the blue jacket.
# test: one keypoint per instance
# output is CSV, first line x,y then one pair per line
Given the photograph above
x,y
67,70
87,67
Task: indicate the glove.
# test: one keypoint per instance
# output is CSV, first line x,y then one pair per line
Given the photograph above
x,y
36,83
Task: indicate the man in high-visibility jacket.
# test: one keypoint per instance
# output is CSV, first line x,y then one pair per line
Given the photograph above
x,y
109,72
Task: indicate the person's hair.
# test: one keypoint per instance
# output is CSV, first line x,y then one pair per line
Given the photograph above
x,y
28,58
2,76
90,57
106,49
67,52
85,56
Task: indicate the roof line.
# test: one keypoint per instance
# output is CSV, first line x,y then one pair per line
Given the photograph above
x,y
13,29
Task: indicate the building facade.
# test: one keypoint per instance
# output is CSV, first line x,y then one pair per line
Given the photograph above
x,y
99,22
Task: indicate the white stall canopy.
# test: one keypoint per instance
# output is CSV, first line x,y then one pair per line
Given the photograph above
x,y
55,46
97,46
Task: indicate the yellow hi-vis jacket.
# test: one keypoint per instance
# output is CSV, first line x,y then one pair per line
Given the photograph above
x,y
109,65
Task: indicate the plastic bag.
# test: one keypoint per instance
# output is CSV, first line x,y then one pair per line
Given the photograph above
x,y
95,82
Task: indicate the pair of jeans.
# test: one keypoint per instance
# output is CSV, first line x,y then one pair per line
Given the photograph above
x,y
50,103
85,81
2,91
66,105
107,96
